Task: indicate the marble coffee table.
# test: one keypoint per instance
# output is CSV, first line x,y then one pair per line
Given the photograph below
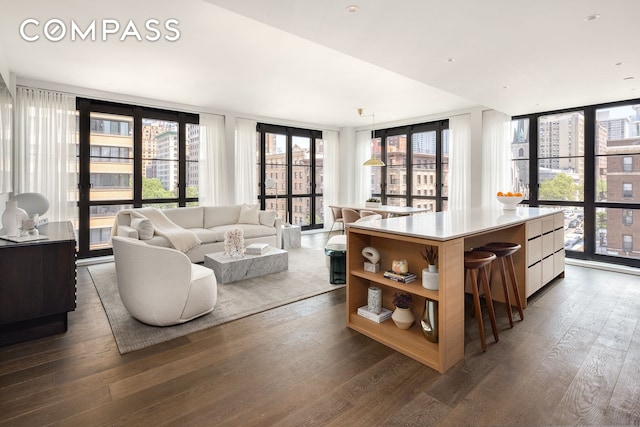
x,y
231,269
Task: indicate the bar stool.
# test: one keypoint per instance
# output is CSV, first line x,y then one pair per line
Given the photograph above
x,y
476,262
503,251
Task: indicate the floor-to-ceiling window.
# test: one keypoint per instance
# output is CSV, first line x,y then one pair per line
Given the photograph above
x,y
131,156
416,171
585,161
289,165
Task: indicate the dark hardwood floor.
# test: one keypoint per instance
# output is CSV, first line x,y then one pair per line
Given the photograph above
x,y
574,360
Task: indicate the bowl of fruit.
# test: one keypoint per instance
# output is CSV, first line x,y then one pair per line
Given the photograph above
x,y
509,200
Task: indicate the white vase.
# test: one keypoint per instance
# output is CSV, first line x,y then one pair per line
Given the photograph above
x,y
430,278
403,317
12,219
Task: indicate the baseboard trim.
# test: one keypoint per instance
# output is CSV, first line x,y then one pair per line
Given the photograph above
x,y
603,266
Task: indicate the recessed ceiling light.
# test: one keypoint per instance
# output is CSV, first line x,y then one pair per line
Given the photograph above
x,y
629,78
592,17
617,64
451,60
505,87
352,8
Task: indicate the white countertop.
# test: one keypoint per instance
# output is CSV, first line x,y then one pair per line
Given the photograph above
x,y
454,224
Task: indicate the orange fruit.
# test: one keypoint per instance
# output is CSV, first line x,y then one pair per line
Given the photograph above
x,y
500,194
509,194
518,194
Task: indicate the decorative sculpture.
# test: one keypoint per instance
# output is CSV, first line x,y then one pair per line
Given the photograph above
x,y
372,256
234,242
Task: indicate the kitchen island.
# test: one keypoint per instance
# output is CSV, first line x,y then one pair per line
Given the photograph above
x,y
540,232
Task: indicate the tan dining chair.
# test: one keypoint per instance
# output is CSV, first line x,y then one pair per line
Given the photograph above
x,y
365,212
350,215
337,219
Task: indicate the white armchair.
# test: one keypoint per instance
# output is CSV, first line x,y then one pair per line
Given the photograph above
x,y
160,286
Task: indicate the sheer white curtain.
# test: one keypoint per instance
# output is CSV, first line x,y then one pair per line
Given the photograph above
x,y
245,151
6,161
212,162
496,156
330,174
362,174
45,149
460,162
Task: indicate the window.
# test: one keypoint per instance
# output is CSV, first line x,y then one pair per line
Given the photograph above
x,y
292,159
561,156
596,147
520,156
131,156
417,165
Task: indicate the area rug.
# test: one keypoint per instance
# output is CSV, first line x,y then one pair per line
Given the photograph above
x,y
307,276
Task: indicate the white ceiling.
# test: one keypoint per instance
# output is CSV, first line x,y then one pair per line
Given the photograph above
x,y
310,61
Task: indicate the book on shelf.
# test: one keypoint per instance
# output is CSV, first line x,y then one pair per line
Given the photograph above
x,y
375,317
256,249
400,277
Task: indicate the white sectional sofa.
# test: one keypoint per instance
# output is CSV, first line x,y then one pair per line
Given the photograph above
x,y
209,223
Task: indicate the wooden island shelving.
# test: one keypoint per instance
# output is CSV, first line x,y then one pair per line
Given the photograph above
x,y
451,234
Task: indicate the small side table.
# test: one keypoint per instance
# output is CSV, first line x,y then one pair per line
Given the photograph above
x,y
291,236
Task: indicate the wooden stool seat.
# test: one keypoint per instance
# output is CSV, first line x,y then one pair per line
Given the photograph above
x,y
476,262
504,252
501,249
477,259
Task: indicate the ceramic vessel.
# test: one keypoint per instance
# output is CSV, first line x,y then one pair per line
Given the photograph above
x,y
12,219
403,317
429,321
400,266
430,278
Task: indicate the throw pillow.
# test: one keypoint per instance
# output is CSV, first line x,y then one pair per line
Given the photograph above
x,y
144,228
249,214
268,218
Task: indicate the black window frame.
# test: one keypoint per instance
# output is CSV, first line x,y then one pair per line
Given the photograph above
x,y
439,127
590,204
86,107
290,132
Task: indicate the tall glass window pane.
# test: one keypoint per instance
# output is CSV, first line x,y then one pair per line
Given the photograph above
x,y
111,172
301,212
561,156
276,172
396,150
376,172
445,164
192,161
617,154
160,166
520,156
574,230
319,180
423,159
301,168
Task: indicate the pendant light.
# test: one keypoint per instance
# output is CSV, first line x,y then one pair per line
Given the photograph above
x,y
373,161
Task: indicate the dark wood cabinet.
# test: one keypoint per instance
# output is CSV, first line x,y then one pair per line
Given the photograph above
x,y
37,284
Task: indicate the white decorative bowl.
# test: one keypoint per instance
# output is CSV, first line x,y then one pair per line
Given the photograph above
x,y
509,202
